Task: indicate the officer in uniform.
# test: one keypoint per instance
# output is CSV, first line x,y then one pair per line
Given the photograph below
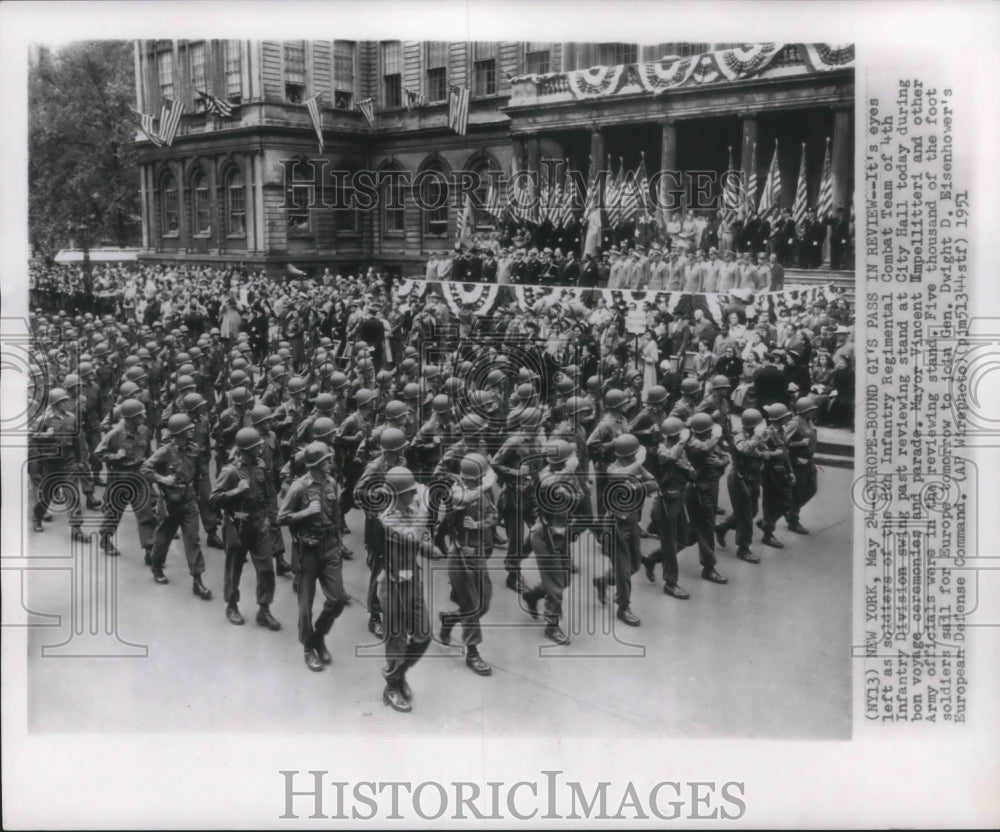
x,y
232,419
777,479
241,492
470,515
685,407
57,433
701,498
123,449
289,414
801,435
600,445
312,510
407,526
673,473
560,493
194,404
749,453
270,454
174,466
716,404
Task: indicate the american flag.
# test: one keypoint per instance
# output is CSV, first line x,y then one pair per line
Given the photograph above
x,y
570,199
313,103
367,108
458,109
772,187
494,202
170,120
214,104
801,194
643,180
544,199
824,204
631,199
146,125
613,199
730,192
414,99
751,192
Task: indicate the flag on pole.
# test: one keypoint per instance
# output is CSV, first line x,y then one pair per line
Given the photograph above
x,y
730,192
313,103
643,182
465,222
414,99
615,196
146,124
570,198
170,120
801,194
458,109
772,187
592,242
824,204
367,107
216,105
633,206
751,192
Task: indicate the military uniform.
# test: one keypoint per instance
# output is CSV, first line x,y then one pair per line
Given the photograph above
x,y
744,487
123,450
801,435
57,437
673,474
612,426
701,498
776,480
517,508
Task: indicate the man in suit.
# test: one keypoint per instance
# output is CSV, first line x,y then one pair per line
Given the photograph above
x,y
777,274
589,272
785,241
840,239
569,272
488,273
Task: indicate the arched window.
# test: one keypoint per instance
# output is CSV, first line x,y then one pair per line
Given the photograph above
x,y
236,207
170,223
345,213
201,212
484,196
392,205
434,200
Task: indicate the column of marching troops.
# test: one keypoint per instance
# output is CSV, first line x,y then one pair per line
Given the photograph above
x,y
445,462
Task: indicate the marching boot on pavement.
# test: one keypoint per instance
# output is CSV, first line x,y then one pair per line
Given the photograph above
x,y
123,449
673,473
311,508
470,515
801,434
56,431
709,461
777,479
241,492
406,524
273,460
78,405
174,466
194,405
749,455
600,448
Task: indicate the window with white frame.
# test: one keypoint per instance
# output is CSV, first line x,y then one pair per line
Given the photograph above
x,y
196,71
169,213
392,73
437,70
165,73
234,76
236,208
201,209
295,71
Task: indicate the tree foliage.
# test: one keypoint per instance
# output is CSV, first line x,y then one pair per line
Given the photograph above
x,y
83,178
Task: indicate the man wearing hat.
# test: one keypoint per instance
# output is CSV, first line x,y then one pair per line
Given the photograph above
x,y
241,492
801,435
750,452
777,478
600,443
729,278
687,404
712,271
617,274
311,509
716,404
704,450
470,516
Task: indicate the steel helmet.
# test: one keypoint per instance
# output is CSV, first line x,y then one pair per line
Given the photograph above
x,y
130,408
192,401
701,423
400,479
383,377
284,352
278,371
178,423
100,350
338,380
56,395
187,369
239,363
656,395
803,405
565,386
194,352
247,438
751,417
493,378
315,453
392,439
394,409
127,389
326,369
441,404
689,386
525,376
593,384
365,365
531,418
72,380
464,368
182,358
324,402
411,390
260,413
472,423
364,396
575,404
625,445
323,426
296,384
671,426
325,341
237,378
86,369
273,360
408,365
431,371
614,399
525,392
484,401
185,383
240,396
474,466
130,361
410,352
558,451
721,382
135,373
777,411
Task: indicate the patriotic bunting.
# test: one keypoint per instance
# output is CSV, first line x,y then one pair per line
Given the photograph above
x,y
458,109
170,120
414,99
216,105
801,193
824,204
367,108
146,124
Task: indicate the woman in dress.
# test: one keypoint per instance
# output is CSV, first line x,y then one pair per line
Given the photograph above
x,y
650,353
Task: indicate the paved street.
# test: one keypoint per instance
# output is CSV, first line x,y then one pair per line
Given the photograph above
x,y
765,656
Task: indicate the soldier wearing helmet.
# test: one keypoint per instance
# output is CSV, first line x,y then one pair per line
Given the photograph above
x,y
57,432
274,394
232,419
472,428
645,426
241,492
289,413
687,404
517,463
801,435
353,432
470,517
194,405
175,467
704,450
77,404
312,509
274,461
629,483
778,478
716,404
600,443
561,494
435,435
324,405
673,473
749,454
93,414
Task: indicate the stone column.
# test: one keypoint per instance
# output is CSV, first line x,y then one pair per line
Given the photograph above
x,y
746,146
840,156
668,162
534,153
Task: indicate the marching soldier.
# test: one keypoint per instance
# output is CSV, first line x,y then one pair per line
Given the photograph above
x,y
701,498
716,404
241,492
685,407
600,445
352,433
471,516
270,455
56,431
777,479
78,405
801,434
231,420
174,466
194,405
92,416
123,449
311,509
749,454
